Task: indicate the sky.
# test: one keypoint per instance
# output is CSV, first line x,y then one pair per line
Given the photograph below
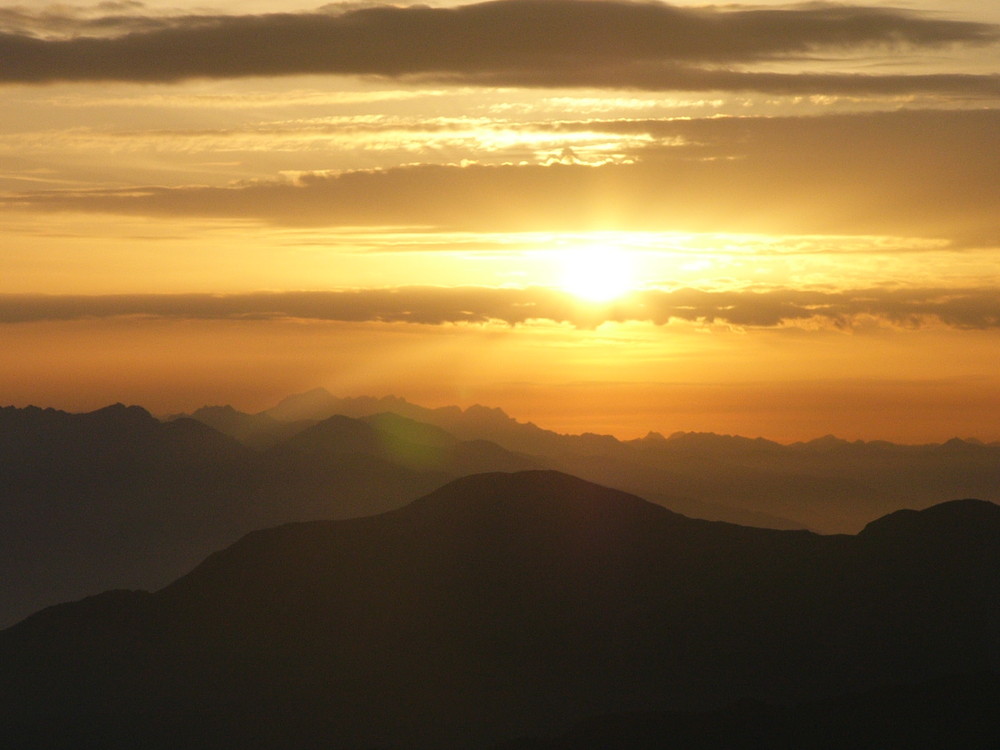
x,y
762,219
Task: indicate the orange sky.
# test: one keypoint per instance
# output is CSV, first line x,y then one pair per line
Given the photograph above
x,y
765,219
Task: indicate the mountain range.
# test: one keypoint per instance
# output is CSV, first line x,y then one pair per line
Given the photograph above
x,y
528,607
119,499
827,485
116,498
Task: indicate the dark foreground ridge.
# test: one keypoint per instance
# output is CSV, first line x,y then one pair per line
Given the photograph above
x,y
950,712
505,606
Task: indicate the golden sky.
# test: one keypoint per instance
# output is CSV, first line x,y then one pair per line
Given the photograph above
x,y
766,219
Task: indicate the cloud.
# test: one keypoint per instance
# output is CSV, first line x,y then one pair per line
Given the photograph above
x,y
977,308
565,43
103,20
405,138
931,174
669,77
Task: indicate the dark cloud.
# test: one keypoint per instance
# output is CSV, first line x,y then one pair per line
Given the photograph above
x,y
428,305
514,42
957,308
908,174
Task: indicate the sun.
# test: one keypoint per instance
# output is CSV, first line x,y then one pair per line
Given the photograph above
x,y
597,273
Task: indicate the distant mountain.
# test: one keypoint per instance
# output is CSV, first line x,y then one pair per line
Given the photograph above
x,y
299,411
597,457
254,430
503,606
827,485
319,404
343,467
115,498
474,423
112,498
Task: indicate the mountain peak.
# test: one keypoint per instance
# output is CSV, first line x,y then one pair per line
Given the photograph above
x,y
312,404
717,442
828,440
335,433
117,416
944,520
118,409
548,497
398,427
488,414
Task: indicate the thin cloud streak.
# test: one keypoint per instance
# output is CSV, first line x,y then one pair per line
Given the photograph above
x,y
656,76
567,43
965,309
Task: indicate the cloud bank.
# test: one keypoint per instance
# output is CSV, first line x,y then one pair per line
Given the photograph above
x,y
566,43
846,175
912,308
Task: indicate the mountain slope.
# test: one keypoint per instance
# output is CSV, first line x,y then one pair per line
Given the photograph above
x,y
343,467
111,498
502,606
257,431
115,498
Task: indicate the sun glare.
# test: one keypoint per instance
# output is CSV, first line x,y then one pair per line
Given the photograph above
x,y
597,273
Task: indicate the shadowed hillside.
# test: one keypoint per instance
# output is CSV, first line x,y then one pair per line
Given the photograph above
x,y
113,498
953,712
503,606
369,465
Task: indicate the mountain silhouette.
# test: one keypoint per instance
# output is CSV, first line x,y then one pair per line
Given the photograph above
x,y
504,606
111,498
474,423
827,485
343,467
115,498
258,431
